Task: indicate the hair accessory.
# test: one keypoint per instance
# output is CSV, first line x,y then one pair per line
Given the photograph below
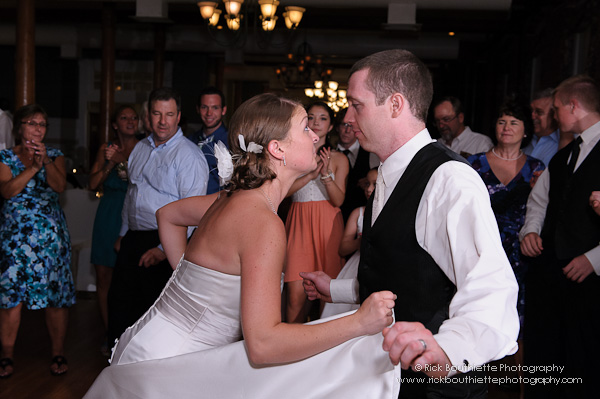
x,y
224,162
252,147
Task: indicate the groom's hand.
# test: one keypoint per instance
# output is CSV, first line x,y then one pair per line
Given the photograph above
x,y
316,285
412,345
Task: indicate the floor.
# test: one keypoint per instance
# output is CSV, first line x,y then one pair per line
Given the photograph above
x,y
32,378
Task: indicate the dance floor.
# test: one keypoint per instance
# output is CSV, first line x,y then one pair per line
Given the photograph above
x,y
32,379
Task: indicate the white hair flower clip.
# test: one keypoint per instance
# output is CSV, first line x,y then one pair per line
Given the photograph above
x,y
252,147
224,162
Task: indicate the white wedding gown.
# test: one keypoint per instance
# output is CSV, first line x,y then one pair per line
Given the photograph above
x,y
187,346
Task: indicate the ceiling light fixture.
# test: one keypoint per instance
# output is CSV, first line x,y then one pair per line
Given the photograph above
x,y
328,90
233,9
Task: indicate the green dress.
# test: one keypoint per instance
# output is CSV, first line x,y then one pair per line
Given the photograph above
x,y
108,217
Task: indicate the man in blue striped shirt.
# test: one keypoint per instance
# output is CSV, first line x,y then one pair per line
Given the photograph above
x,y
162,168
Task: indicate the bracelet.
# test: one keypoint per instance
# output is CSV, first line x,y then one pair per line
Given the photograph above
x,y
106,171
330,175
49,162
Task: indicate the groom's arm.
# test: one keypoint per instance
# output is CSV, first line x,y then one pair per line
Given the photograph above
x,y
456,226
318,285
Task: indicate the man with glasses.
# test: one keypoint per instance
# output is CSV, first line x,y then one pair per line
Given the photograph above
x,y
546,137
360,164
450,121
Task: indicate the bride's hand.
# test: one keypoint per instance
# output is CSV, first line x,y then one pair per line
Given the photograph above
x,y
376,312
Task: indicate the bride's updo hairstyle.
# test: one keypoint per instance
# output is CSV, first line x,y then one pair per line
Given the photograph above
x,y
261,119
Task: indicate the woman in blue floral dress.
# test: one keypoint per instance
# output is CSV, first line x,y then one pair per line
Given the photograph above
x,y
35,248
509,175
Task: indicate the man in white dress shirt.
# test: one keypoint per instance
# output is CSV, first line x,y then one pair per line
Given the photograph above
x,y
359,160
6,136
561,233
435,244
450,120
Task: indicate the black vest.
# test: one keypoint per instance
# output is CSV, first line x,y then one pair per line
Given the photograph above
x,y
355,195
390,256
571,227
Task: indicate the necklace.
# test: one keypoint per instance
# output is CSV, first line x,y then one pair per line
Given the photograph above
x,y
268,199
507,159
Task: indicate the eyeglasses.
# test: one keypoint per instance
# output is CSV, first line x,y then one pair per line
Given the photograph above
x,y
346,125
445,120
33,124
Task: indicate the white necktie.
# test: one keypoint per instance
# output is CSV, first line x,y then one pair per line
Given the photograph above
x,y
379,198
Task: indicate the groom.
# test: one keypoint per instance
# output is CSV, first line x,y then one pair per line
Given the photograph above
x,y
429,236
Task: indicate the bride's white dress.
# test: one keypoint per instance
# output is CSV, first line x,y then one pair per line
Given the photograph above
x,y
188,346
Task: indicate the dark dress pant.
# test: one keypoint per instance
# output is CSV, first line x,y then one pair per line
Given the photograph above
x,y
562,321
134,288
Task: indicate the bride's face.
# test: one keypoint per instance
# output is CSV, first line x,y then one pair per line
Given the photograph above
x,y
301,153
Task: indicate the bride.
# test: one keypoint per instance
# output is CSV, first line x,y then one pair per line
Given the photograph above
x,y
228,285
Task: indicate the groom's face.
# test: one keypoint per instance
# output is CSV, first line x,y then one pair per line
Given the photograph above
x,y
368,120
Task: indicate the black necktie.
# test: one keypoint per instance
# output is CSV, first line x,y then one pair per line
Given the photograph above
x,y
346,152
574,155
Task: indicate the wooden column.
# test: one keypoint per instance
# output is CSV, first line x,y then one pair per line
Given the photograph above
x,y
159,56
25,54
107,92
219,70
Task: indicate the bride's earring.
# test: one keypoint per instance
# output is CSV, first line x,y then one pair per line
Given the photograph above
x,y
284,164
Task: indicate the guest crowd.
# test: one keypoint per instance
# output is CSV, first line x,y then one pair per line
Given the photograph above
x,y
539,164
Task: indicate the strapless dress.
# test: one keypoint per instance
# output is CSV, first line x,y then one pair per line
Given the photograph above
x,y
198,309
183,348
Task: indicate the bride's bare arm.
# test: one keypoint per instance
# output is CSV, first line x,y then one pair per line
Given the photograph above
x,y
268,339
173,220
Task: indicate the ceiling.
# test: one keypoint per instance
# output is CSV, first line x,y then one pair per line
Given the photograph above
x,y
341,29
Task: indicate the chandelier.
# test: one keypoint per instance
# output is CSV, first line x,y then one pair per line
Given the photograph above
x,y
234,16
330,91
306,71
302,68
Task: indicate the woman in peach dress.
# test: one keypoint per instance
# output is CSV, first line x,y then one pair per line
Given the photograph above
x,y
314,223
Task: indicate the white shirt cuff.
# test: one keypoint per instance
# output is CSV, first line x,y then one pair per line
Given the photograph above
x,y
344,290
529,228
593,256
